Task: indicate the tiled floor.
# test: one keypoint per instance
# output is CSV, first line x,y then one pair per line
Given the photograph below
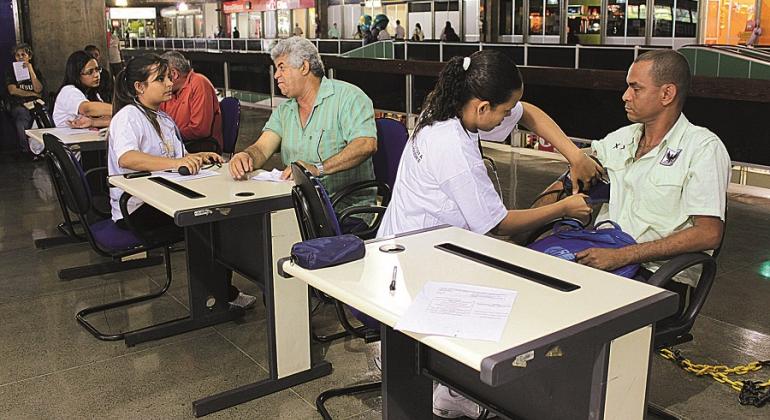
x,y
51,368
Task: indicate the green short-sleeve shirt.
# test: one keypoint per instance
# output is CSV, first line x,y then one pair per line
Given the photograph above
x,y
686,175
342,113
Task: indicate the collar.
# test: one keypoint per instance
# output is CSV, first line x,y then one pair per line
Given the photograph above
x,y
671,139
324,91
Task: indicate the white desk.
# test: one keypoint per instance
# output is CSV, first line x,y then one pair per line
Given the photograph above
x,y
242,226
603,330
85,139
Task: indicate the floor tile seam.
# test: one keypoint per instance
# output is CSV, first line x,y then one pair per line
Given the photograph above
x,y
237,347
109,359
356,414
21,299
171,295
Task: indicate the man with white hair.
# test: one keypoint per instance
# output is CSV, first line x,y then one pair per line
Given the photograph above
x,y
326,125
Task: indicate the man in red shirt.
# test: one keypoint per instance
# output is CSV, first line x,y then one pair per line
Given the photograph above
x,y
194,106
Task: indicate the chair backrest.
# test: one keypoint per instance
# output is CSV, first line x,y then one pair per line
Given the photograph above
x,y
77,194
231,122
391,140
312,205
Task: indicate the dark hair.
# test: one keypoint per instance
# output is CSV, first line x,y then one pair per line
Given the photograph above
x,y
491,76
75,64
22,46
138,69
91,48
669,67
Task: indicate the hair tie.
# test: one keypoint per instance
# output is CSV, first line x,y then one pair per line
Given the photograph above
x,y
466,63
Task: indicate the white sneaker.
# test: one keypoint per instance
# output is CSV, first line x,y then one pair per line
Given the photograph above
x,y
244,301
448,404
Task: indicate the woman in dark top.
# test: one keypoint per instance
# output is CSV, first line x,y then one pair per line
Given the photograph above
x,y
23,92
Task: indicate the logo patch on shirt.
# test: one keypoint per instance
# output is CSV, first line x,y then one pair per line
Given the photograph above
x,y
670,157
619,146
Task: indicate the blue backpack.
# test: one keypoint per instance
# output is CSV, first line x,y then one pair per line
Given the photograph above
x,y
569,238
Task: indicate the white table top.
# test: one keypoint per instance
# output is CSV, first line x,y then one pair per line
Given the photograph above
x,y
219,191
66,135
537,312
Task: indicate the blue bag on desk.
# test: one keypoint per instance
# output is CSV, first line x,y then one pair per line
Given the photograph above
x,y
328,251
569,238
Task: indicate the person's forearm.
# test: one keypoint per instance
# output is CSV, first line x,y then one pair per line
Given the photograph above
x,y
36,85
139,161
351,156
258,158
694,239
13,90
101,122
96,109
522,220
537,121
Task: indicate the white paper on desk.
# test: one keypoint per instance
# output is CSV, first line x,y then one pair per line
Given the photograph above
x,y
68,132
21,72
177,177
272,176
459,310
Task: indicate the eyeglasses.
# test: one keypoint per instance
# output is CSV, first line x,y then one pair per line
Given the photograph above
x,y
92,71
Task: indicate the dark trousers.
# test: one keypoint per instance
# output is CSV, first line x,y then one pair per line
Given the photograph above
x,y
22,119
148,218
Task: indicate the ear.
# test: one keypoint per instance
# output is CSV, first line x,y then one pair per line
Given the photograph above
x,y
138,87
305,69
483,107
668,93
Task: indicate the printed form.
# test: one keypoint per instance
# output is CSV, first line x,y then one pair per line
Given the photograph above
x,y
459,310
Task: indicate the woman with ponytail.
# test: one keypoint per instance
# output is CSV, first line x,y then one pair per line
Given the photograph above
x,y
78,103
142,138
442,178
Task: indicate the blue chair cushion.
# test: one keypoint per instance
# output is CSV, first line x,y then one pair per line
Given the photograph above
x,y
112,238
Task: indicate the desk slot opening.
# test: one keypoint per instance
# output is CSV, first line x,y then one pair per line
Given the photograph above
x,y
510,268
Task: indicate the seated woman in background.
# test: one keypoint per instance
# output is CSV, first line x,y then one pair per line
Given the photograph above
x,y
78,103
23,91
142,138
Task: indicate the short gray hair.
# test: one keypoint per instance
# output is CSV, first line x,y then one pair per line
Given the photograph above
x,y
177,61
297,50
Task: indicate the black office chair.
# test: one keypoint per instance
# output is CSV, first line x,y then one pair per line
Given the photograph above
x,y
105,237
316,218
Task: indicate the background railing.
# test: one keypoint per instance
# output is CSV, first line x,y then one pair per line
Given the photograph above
x,y
598,57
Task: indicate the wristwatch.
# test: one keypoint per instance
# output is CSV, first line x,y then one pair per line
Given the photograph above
x,y
320,167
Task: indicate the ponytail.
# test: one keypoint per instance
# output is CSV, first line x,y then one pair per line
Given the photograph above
x,y
487,75
138,69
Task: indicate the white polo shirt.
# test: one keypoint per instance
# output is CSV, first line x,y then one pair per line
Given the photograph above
x,y
67,104
686,175
131,130
442,180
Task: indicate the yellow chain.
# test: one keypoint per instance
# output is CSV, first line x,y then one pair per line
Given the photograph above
x,y
718,372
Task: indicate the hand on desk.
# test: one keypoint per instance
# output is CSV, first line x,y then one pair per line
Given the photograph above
x,y
193,162
240,165
81,121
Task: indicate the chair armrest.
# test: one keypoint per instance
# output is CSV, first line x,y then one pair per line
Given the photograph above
x,y
209,140
372,230
382,187
124,211
97,170
676,265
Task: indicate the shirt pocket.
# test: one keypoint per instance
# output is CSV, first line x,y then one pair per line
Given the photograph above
x,y
329,145
662,193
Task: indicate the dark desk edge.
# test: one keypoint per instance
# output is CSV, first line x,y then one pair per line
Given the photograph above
x,y
497,369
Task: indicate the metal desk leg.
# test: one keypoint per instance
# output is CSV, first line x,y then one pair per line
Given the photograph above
x,y
406,394
207,291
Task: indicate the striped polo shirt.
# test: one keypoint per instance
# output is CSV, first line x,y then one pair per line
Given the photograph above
x,y
342,112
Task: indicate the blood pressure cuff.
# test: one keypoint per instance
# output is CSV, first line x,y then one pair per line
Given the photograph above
x,y
328,251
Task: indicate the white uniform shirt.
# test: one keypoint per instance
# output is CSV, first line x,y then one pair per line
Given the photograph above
x,y
67,104
503,131
442,180
131,130
686,175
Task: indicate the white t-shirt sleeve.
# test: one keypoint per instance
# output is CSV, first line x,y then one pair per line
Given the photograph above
x,y
67,104
125,132
503,131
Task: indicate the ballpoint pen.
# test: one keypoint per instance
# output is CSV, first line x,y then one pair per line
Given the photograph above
x,y
393,279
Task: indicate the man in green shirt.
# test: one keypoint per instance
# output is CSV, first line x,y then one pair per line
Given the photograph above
x,y
668,177
326,125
